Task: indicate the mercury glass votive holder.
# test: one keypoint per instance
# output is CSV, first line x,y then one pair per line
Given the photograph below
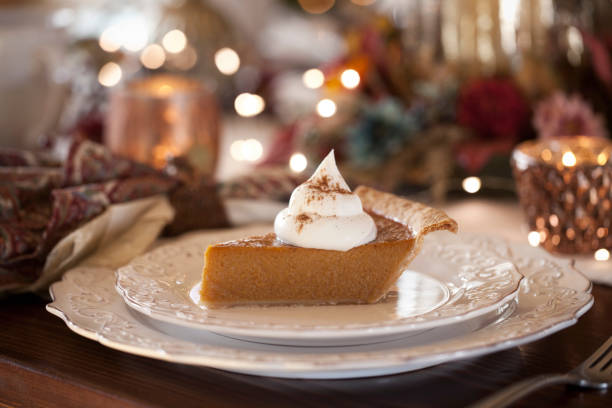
x,y
565,189
156,119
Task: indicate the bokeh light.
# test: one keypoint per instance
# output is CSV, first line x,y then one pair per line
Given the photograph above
x,y
298,162
110,74
252,150
248,105
533,238
134,35
153,56
471,184
174,41
546,155
326,108
602,158
568,159
313,78
227,61
110,39
236,150
350,79
246,150
602,254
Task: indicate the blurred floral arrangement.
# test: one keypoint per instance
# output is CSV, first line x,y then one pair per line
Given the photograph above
x,y
398,127
401,116
407,125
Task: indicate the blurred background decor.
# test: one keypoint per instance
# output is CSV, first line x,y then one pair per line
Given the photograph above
x,y
154,119
565,188
426,98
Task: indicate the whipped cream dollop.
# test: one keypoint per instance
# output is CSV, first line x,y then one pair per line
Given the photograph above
x,y
323,213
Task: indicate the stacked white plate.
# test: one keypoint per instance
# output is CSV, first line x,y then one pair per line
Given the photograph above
x,y
463,296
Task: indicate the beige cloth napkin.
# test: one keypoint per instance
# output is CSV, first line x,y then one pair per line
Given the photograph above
x,y
111,239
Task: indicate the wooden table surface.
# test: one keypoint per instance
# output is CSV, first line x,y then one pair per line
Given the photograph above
x,y
44,364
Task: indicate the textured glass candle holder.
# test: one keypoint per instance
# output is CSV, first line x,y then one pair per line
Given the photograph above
x,y
565,189
155,119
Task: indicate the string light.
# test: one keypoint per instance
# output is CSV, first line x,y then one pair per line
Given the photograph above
x,y
298,162
568,159
248,105
227,61
350,79
313,78
471,184
602,254
326,108
174,41
110,39
110,74
153,56
533,238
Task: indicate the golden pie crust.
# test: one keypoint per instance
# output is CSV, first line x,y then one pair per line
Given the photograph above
x,y
264,270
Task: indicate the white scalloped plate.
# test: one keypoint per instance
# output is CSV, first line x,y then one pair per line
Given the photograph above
x,y
551,297
450,281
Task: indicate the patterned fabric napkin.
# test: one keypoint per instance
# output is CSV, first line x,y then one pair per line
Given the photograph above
x,y
41,203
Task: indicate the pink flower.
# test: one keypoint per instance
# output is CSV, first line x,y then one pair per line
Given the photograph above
x,y
560,115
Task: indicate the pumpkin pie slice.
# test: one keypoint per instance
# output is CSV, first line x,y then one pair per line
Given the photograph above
x,y
265,270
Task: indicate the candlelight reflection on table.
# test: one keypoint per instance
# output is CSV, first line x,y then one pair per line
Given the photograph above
x,y
155,119
564,186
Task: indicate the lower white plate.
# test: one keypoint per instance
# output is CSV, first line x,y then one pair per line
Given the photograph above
x,y
453,279
552,297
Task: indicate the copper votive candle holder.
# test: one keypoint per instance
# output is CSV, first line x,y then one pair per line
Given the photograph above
x,y
155,119
565,189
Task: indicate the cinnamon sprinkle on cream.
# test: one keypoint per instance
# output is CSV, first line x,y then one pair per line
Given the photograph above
x,y
302,219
